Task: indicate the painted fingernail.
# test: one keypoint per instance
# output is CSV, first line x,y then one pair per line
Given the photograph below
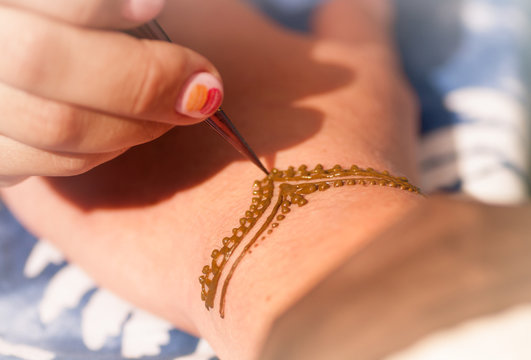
x,y
142,10
202,95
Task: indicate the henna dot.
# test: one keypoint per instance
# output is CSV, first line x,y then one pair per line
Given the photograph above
x,y
252,207
386,173
274,225
324,186
318,169
269,232
230,244
351,182
404,179
338,183
218,261
307,189
281,217
214,254
206,269
285,210
290,172
239,231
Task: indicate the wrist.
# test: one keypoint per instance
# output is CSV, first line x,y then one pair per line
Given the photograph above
x,y
308,244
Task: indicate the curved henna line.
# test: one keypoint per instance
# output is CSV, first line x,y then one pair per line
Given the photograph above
x,y
266,224
266,201
264,227
289,194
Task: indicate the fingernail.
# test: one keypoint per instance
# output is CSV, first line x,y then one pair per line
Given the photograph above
x,y
201,95
142,10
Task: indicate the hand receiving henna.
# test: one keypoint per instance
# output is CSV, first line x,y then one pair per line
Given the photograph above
x,y
145,224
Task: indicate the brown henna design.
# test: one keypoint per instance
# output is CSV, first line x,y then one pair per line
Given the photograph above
x,y
306,182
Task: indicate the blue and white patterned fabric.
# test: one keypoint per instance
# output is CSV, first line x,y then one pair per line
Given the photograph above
x,y
465,59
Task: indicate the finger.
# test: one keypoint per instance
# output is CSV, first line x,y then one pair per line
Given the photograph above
x,y
54,126
114,14
107,71
354,21
19,161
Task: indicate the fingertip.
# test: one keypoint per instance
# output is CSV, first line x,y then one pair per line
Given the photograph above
x,y
142,10
201,96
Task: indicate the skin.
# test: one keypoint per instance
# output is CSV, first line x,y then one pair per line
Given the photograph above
x,y
445,264
146,223
58,118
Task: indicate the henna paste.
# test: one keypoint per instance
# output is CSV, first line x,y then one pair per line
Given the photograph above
x,y
294,186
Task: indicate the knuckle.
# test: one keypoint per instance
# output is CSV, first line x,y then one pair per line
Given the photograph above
x,y
156,77
89,12
74,165
6,181
148,89
153,130
60,128
27,54
82,12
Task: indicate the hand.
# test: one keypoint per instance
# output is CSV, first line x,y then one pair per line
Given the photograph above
x,y
145,224
74,94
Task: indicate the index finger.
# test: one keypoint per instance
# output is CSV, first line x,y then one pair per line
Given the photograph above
x,y
110,14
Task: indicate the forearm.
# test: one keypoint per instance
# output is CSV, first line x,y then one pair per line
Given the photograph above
x,y
146,224
309,244
446,266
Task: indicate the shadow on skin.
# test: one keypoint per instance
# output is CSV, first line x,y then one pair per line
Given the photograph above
x,y
186,157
